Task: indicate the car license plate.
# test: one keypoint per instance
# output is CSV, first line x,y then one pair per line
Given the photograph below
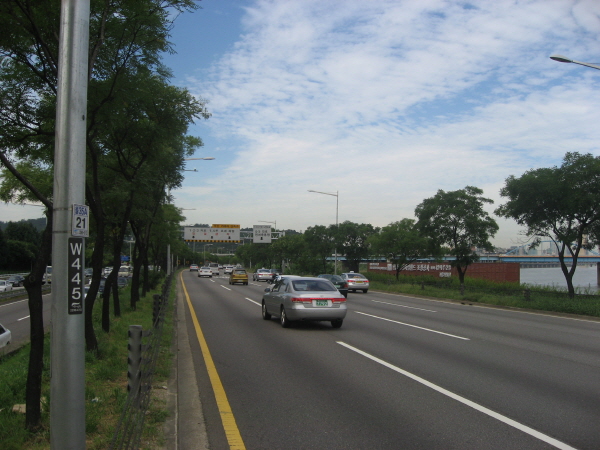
x,y
321,303
359,282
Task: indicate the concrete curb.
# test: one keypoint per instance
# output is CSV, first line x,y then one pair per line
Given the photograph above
x,y
185,428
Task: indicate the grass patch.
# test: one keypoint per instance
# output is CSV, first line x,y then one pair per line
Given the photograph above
x,y
106,382
488,292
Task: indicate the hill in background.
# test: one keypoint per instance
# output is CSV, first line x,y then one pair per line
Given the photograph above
x,y
39,224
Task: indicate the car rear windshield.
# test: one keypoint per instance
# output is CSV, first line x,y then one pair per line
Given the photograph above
x,y
356,275
240,272
312,285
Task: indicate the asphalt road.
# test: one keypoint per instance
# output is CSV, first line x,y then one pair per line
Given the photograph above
x,y
14,315
401,373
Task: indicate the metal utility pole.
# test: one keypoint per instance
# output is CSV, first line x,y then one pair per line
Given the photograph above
x,y
70,227
337,205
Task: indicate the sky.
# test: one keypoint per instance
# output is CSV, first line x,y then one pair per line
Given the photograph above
x,y
383,102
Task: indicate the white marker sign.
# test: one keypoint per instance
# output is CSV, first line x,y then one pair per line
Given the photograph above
x,y
80,224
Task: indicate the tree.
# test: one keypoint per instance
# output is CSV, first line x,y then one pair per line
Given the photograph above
x,y
288,248
3,249
402,243
23,241
320,244
22,231
456,219
127,39
352,240
559,203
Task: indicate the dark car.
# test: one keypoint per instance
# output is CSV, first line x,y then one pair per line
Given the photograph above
x,y
338,282
16,280
122,281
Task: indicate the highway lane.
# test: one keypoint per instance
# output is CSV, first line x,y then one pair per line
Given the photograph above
x,y
14,315
400,373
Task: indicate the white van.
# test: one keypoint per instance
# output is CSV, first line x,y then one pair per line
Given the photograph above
x,y
214,268
48,275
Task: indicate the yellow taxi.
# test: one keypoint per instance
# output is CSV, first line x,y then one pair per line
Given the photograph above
x,y
238,276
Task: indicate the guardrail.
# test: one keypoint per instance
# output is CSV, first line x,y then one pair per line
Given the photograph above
x,y
21,292
141,364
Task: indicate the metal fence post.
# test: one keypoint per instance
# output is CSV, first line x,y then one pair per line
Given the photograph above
x,y
134,360
156,305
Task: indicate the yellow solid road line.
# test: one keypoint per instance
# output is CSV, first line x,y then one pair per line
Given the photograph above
x,y
231,430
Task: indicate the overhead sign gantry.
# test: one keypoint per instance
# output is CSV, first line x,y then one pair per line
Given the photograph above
x,y
216,233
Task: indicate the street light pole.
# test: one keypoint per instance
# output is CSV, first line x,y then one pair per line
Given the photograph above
x,y
67,362
204,253
337,198
274,222
564,59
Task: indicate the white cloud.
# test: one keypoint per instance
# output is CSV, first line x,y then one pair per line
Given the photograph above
x,y
388,101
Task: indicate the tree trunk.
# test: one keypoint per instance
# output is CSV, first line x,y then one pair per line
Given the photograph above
x,y
106,302
33,286
568,274
461,276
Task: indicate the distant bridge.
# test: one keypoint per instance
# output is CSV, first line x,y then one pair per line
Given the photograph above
x,y
544,255
539,260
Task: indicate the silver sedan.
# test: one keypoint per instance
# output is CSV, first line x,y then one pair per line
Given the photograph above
x,y
301,298
5,336
5,286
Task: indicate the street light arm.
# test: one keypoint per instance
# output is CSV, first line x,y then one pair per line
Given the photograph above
x,y
564,59
208,158
326,193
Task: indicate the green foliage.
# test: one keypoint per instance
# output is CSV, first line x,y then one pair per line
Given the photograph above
x,y
487,292
401,243
319,241
560,203
20,255
106,383
457,219
352,240
22,231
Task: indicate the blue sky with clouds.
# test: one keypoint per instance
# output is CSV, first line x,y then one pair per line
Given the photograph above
x,y
385,101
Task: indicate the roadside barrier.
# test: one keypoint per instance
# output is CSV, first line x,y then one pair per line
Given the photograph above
x,y
141,363
22,292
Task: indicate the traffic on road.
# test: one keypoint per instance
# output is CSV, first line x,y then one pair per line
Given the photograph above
x,y
402,372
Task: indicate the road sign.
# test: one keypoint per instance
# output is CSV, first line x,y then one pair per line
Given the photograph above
x,y
80,223
262,234
211,234
76,280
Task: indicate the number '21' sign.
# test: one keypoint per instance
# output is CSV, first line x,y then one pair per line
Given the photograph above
x,y
81,221
76,282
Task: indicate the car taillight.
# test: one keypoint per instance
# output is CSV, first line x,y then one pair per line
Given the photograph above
x,y
301,300
338,300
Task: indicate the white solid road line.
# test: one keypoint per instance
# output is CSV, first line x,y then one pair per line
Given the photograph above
x,y
414,326
403,306
519,426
